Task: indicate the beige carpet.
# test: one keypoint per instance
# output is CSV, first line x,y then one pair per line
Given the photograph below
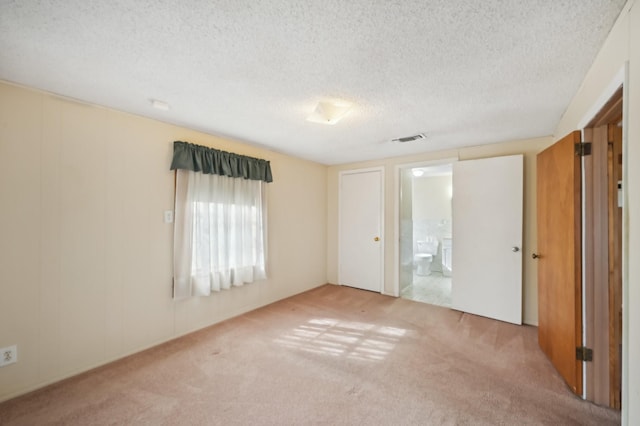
x,y
331,356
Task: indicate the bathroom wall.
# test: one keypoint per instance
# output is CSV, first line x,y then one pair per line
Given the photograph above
x,y
406,229
432,197
432,211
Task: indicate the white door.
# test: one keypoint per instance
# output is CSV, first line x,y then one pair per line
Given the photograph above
x,y
487,237
360,229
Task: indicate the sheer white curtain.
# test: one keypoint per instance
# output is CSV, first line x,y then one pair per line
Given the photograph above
x,y
220,233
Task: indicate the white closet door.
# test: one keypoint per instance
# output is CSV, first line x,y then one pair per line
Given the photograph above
x,y
360,233
487,237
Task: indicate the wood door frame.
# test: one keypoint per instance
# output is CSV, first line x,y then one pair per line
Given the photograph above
x,y
601,255
382,220
616,159
595,260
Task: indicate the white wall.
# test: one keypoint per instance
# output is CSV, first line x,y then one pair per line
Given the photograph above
x,y
432,215
528,147
622,47
431,198
85,258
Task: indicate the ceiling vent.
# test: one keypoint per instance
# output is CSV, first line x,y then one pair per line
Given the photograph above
x,y
410,138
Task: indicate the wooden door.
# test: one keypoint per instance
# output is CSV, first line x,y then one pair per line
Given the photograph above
x,y
559,261
360,229
487,237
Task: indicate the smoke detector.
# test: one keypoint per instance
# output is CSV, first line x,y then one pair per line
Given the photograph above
x,y
410,138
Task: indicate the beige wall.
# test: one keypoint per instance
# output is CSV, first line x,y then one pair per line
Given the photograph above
x,y
622,47
85,258
527,147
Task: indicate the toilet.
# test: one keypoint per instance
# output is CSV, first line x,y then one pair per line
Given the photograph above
x,y
423,258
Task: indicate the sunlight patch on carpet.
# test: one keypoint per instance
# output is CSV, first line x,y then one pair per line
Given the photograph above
x,y
352,339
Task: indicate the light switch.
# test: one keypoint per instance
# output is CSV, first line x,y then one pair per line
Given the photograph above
x,y
168,216
619,193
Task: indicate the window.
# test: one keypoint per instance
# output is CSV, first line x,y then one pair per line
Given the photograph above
x,y
220,230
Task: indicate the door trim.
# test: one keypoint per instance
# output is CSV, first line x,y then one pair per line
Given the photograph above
x,y
382,220
397,182
595,266
600,385
620,79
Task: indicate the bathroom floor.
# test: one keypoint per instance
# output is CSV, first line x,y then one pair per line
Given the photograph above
x,y
434,289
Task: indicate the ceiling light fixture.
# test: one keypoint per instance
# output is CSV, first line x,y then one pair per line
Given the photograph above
x,y
330,112
159,105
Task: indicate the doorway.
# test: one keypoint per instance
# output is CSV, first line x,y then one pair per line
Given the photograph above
x,y
477,250
580,255
426,233
602,210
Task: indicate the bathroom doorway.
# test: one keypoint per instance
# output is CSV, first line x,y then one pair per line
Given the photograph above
x,y
425,233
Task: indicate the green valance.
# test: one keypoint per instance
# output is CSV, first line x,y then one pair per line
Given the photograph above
x,y
215,162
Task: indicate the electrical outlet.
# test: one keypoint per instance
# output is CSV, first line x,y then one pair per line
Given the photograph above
x,y
8,355
168,216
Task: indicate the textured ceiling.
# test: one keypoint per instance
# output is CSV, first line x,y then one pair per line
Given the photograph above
x,y
462,72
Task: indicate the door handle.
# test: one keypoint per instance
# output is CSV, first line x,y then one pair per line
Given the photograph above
x,y
376,239
515,249
535,255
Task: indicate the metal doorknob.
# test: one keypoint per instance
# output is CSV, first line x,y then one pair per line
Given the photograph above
x,y
515,249
376,239
535,256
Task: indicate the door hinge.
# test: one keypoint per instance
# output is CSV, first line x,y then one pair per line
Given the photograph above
x,y
583,149
584,354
